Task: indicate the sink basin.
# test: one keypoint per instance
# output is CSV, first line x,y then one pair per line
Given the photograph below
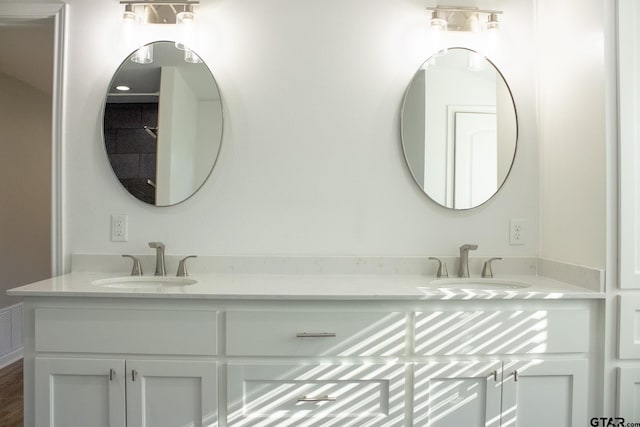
x,y
478,284
143,282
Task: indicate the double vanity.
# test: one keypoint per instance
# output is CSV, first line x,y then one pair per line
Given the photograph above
x,y
312,341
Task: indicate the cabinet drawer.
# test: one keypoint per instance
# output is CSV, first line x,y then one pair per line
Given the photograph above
x,y
263,333
179,332
335,394
472,332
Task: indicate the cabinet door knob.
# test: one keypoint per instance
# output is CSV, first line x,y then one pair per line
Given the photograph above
x,y
134,374
112,374
316,335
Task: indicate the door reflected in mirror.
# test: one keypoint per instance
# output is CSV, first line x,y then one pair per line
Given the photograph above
x,y
163,124
459,128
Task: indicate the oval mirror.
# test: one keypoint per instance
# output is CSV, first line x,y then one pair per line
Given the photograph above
x,y
162,123
459,128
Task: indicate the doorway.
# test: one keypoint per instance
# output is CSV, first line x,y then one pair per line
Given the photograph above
x,y
28,147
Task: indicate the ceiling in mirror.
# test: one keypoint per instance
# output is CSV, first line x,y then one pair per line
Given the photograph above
x,y
162,123
459,128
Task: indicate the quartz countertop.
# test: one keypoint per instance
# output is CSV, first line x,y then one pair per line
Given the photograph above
x,y
306,287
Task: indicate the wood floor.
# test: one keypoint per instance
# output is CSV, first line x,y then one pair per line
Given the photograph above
x,y
11,395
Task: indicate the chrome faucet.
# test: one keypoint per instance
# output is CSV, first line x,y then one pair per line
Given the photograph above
x,y
159,247
463,267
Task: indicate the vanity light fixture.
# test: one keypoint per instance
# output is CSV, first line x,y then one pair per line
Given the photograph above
x,y
180,13
157,11
456,18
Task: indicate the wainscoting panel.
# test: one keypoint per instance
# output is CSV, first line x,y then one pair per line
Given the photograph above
x,y
10,334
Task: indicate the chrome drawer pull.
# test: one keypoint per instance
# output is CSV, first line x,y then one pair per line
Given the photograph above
x,y
316,335
317,399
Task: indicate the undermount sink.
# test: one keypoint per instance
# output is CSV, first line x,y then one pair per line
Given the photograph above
x,y
144,282
476,283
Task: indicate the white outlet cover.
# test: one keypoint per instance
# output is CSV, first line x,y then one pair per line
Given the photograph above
x,y
119,228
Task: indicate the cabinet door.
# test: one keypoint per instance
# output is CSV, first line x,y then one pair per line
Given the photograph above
x,y
629,393
457,393
79,392
545,393
170,393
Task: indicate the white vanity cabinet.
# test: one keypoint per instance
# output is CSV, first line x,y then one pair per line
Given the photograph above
x,y
236,362
117,393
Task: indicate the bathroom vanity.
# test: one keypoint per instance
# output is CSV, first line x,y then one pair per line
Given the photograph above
x,y
308,349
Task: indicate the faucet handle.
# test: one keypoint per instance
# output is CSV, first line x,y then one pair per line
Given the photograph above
x,y
442,268
137,267
487,273
182,266
469,247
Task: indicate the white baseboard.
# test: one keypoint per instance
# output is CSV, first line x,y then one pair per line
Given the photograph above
x,y
9,358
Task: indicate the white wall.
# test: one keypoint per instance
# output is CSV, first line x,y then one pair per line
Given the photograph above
x,y
25,186
572,131
311,161
210,122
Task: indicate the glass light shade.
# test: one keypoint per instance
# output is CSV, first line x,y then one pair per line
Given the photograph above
x,y
129,17
185,22
493,25
144,55
438,25
191,57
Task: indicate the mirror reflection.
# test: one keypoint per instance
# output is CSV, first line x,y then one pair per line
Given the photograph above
x,y
459,128
162,123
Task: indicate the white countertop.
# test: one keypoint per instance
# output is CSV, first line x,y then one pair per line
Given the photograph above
x,y
306,287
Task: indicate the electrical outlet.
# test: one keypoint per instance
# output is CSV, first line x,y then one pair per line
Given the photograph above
x,y
119,228
517,231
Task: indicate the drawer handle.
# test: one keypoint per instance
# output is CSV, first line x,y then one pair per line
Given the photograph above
x,y
112,374
494,374
515,375
316,335
317,399
134,374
